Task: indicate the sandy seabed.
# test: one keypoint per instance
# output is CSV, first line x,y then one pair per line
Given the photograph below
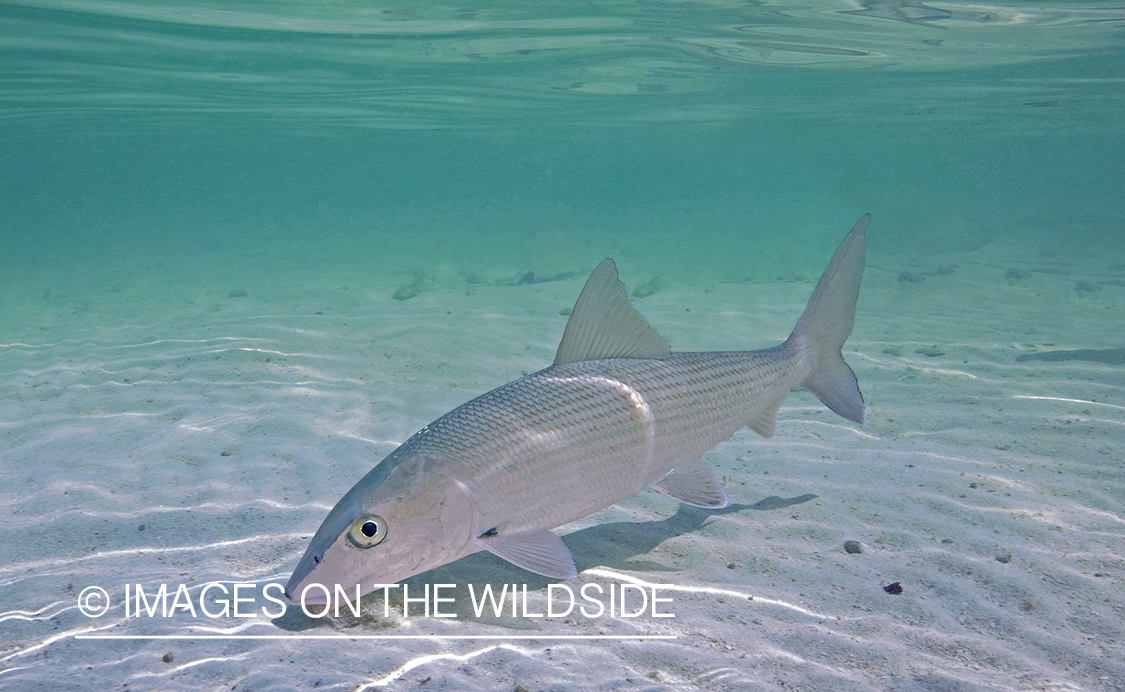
x,y
201,435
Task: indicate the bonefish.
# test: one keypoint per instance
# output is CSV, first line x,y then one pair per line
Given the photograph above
x,y
617,412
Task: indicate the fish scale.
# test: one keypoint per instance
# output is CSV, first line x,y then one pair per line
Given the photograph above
x,y
590,443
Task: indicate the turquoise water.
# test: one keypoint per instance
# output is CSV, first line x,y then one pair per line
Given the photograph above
x,y
247,248
449,139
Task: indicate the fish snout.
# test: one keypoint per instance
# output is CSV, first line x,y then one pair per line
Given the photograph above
x,y
306,597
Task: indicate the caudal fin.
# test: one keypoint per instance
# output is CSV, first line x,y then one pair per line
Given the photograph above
x,y
827,322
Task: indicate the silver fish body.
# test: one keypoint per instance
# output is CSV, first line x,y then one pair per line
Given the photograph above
x,y
617,413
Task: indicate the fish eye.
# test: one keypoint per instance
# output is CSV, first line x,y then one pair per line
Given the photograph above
x,y
367,531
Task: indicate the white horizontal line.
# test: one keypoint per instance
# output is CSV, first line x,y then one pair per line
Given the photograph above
x,y
1069,401
506,637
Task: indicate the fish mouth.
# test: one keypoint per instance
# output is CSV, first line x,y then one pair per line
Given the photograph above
x,y
307,597
292,594
298,591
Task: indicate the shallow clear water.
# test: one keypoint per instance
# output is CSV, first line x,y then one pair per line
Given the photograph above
x,y
207,213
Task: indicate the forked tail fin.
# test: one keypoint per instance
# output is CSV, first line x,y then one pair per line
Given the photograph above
x,y
827,322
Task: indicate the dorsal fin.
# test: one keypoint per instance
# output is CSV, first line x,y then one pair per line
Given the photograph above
x,y
604,325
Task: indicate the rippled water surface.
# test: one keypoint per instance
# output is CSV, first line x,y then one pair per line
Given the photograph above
x,y
248,248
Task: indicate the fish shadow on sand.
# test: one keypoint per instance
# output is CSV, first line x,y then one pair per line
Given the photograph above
x,y
615,545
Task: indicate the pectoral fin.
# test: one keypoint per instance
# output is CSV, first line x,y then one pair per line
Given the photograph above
x,y
693,484
538,551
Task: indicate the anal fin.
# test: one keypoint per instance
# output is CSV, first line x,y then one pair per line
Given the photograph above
x,y
693,484
538,551
766,422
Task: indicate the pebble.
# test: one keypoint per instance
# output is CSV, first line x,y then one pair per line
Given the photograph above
x,y
854,547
